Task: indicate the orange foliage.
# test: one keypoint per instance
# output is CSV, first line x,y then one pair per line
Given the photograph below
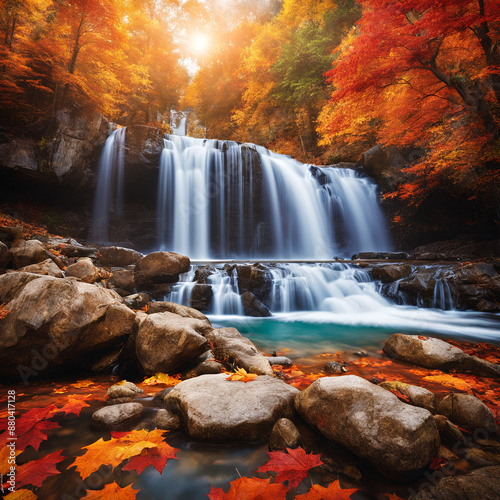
x,y
241,375
162,378
112,491
333,492
36,471
250,488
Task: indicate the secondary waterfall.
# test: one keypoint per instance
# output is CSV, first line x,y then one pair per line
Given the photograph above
x,y
221,199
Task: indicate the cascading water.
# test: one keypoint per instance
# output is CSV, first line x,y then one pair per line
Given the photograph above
x,y
220,199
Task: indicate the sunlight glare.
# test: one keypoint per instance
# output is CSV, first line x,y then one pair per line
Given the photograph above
x,y
199,43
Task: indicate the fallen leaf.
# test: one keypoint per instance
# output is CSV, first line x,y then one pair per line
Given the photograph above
x,y
112,491
436,463
449,381
241,375
293,466
400,395
121,446
21,495
250,488
333,492
162,378
36,471
157,457
83,383
34,436
4,457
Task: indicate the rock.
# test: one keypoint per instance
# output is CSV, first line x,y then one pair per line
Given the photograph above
x,y
9,234
254,307
84,270
280,360
27,252
381,256
255,279
334,367
123,389
161,394
418,396
284,435
361,354
201,297
137,300
449,432
230,346
165,342
437,354
467,411
73,250
208,367
399,440
57,322
481,484
388,274
201,275
106,363
119,401
184,311
422,283
124,279
116,415
166,420
213,408
475,274
161,267
46,268
5,256
480,458
118,256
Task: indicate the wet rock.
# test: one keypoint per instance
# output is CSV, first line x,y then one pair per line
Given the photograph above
x,y
165,342
143,147
280,360
123,389
467,411
418,396
213,408
106,363
449,432
399,440
201,275
481,484
45,268
381,256
27,252
361,354
208,367
254,307
116,415
124,279
57,322
119,401
5,256
137,300
422,283
160,267
335,367
230,346
437,354
84,270
388,274
255,279
161,394
201,297
475,274
184,311
480,458
118,256
73,250
284,435
165,419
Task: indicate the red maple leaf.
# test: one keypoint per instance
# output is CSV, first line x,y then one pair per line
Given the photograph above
x,y
292,466
333,492
157,457
36,471
436,463
250,488
35,435
31,417
75,405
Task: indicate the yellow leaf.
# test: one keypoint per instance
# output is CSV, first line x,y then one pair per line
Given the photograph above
x,y
241,375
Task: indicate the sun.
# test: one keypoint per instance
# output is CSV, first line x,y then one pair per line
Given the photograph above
x,y
199,43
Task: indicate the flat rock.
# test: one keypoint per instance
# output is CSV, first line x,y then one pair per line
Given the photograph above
x,y
84,270
45,268
118,256
437,354
399,440
230,346
116,415
27,252
213,408
467,411
123,389
418,396
284,435
165,419
184,311
165,342
161,267
480,484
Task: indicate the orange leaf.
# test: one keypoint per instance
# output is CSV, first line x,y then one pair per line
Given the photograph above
x,y
242,375
36,471
112,491
157,457
250,488
449,381
333,492
292,466
21,495
400,395
162,378
75,405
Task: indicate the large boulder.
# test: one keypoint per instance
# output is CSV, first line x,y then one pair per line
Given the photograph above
x,y
84,270
184,311
165,342
118,256
47,268
399,440
160,267
213,408
27,252
57,322
475,274
231,347
437,354
481,484
467,411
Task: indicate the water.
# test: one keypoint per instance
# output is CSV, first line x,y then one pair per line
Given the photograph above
x,y
221,199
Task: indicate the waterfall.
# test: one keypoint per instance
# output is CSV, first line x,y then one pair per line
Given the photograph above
x,y
109,191
221,199
443,297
